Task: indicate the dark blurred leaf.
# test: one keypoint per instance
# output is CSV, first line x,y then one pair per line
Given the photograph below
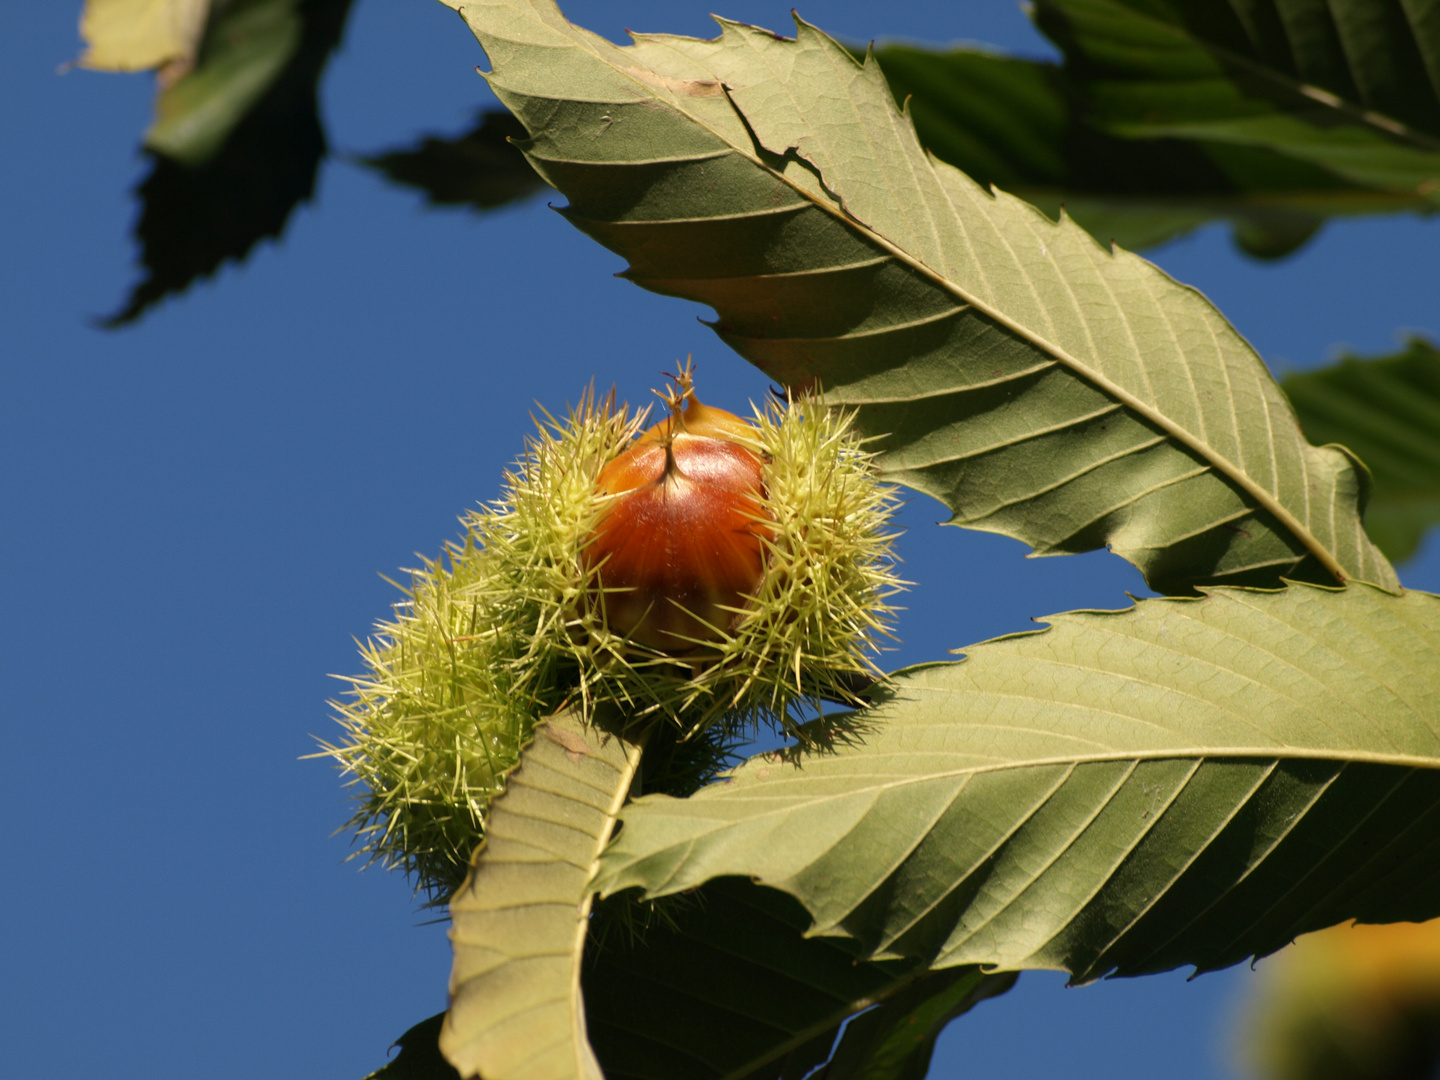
x,y
1387,410
896,1039
419,1057
245,122
480,168
1350,86
727,985
245,47
1020,125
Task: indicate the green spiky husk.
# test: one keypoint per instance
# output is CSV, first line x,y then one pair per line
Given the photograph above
x,y
501,630
823,607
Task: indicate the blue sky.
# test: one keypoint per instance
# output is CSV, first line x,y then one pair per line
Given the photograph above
x,y
197,511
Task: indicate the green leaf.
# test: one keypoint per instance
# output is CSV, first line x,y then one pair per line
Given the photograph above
x,y
245,48
419,1057
520,919
1352,86
1019,124
233,154
1037,384
770,1001
481,168
1190,781
1387,410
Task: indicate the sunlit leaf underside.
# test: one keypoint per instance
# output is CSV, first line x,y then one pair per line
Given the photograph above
x,y
1185,782
520,919
1039,385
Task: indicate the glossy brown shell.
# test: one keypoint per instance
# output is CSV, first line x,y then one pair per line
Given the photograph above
x,y
680,545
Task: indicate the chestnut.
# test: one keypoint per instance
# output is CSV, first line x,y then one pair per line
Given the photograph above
x,y
680,547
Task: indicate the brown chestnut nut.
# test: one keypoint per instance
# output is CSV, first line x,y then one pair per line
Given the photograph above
x,y
680,546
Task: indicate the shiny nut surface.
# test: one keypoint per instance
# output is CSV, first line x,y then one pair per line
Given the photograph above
x,y
679,547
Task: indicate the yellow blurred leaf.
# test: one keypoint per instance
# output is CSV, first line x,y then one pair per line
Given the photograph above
x,y
137,35
1348,1003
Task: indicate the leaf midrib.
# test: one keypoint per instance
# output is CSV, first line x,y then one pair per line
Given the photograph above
x,y
1206,452
1229,753
1203,450
578,1039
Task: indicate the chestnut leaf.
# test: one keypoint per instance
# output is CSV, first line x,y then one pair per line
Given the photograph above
x,y
520,919
1039,385
1186,782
